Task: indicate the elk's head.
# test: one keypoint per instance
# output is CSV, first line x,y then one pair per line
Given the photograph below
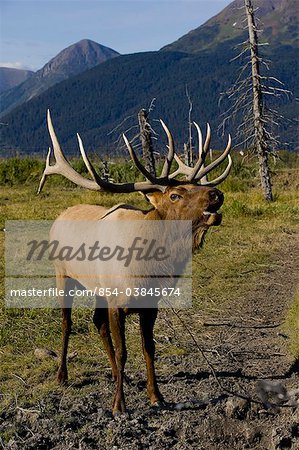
x,y
195,198
200,204
189,202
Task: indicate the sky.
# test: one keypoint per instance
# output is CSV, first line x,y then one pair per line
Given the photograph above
x,y
34,31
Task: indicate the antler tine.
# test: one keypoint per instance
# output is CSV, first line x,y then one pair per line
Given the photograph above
x,y
171,152
86,160
215,163
137,163
202,150
42,181
206,149
208,139
59,156
221,177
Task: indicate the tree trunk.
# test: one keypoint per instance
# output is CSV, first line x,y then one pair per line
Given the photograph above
x,y
188,156
260,135
105,171
188,151
146,141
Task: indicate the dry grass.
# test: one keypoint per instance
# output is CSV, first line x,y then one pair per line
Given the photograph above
x,y
291,327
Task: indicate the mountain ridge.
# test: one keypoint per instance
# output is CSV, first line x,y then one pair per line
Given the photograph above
x,y
11,77
71,61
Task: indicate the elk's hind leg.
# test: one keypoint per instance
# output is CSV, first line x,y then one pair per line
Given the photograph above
x,y
66,301
101,321
147,322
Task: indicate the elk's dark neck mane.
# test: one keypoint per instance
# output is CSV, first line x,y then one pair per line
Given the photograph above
x,y
199,229
198,235
153,214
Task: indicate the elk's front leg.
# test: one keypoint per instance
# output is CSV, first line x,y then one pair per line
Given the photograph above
x,y
147,322
117,327
101,321
66,304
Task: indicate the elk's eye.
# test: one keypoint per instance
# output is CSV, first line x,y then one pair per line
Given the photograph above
x,y
174,197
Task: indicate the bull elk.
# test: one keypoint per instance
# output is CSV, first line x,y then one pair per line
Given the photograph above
x,y
195,199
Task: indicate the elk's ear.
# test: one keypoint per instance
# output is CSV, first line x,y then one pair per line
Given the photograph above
x,y
154,198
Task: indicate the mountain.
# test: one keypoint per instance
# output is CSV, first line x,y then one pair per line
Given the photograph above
x,y
279,21
10,78
98,100
71,61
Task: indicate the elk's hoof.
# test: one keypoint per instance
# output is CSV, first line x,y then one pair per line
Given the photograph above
x,y
62,377
120,415
158,404
119,407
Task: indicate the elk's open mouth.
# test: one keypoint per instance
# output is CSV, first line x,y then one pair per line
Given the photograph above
x,y
212,218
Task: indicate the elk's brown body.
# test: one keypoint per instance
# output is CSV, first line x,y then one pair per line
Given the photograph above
x,y
171,200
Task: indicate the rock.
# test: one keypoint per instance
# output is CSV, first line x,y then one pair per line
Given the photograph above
x,y
271,393
294,397
236,408
253,435
43,353
179,406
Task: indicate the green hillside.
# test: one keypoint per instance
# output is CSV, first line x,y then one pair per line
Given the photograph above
x,y
278,19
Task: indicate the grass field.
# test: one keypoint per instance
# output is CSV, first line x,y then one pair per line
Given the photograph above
x,y
233,257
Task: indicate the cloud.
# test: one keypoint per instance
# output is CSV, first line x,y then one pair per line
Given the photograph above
x,y
15,65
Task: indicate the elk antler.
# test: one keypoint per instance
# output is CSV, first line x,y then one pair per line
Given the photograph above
x,y
199,171
62,167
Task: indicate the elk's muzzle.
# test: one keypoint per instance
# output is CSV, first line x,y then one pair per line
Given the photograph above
x,y
211,214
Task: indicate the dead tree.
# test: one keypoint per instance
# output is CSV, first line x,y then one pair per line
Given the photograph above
x,y
188,151
146,141
261,143
105,171
249,94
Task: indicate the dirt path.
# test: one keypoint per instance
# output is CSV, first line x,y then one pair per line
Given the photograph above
x,y
249,330
246,348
